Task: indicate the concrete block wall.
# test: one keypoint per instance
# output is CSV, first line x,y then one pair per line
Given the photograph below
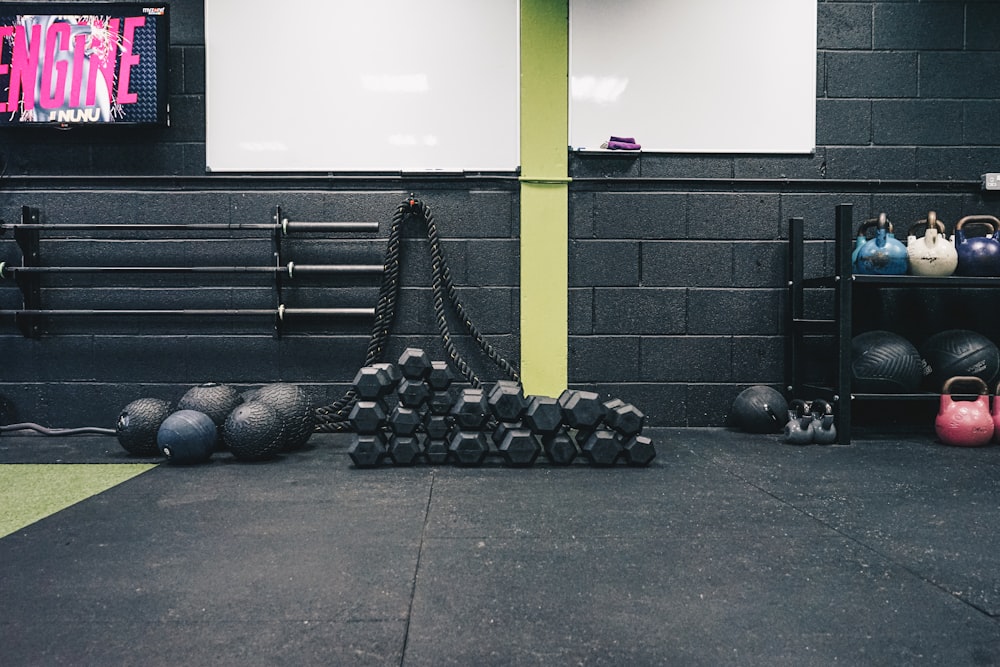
x,y
677,262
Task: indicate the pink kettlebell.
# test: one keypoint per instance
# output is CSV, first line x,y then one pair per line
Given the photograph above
x,y
962,422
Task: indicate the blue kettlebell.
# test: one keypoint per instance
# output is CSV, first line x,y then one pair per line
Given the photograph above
x,y
883,254
978,255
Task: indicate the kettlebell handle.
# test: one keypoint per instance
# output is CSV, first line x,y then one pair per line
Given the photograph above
x,y
881,222
990,220
981,387
931,221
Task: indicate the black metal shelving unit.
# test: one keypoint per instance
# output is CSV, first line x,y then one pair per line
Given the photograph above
x,y
843,282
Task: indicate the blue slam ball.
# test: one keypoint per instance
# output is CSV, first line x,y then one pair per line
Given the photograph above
x,y
187,436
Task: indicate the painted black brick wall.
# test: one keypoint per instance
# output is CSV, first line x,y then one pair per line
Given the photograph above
x,y
676,261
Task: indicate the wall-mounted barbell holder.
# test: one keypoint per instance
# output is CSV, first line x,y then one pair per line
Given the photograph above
x,y
27,275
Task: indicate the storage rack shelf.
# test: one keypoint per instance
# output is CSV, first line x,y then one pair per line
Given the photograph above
x,y
843,282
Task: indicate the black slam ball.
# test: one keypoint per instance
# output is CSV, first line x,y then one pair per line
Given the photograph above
x,y
883,362
252,431
213,399
956,352
298,419
138,423
760,409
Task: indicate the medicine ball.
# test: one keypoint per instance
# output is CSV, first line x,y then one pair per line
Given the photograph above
x,y
298,419
959,352
883,362
759,409
138,423
213,399
252,431
187,436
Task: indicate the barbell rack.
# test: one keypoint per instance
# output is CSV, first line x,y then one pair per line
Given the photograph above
x,y
28,232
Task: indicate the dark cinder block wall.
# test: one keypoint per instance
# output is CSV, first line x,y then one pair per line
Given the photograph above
x,y
677,262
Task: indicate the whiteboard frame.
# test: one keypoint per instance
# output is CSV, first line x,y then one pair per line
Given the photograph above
x,y
379,86
642,69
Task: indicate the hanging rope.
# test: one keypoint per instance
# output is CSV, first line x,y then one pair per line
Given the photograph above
x,y
334,417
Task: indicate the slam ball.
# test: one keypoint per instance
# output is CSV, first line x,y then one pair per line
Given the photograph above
x,y
213,399
883,362
759,409
960,352
187,436
253,431
294,411
138,423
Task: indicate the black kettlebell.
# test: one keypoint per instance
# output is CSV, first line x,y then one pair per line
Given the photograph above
x,y
823,430
799,428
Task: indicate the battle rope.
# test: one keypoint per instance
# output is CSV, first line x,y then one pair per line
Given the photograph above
x,y
334,417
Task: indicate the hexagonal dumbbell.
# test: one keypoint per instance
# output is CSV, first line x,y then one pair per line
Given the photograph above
x,y
403,420
367,450
440,401
392,370
468,448
436,451
436,426
412,393
470,410
559,448
602,448
367,416
414,363
405,450
501,430
582,410
440,375
519,447
625,419
639,451
543,415
506,400
372,383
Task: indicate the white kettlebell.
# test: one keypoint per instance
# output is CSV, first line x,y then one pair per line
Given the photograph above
x,y
932,254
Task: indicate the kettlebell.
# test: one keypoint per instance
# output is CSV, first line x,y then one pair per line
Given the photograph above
x,y
824,431
996,415
883,254
978,255
932,254
963,422
799,429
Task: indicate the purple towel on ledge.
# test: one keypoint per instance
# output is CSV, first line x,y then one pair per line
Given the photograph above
x,y
621,145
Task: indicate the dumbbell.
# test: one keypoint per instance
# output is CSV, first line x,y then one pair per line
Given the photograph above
x,y
413,393
404,421
470,410
436,450
506,401
405,450
439,376
414,363
582,410
559,448
468,447
367,450
436,427
519,447
367,416
623,418
602,447
639,451
543,415
372,383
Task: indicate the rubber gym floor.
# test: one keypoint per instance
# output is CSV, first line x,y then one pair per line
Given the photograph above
x,y
729,549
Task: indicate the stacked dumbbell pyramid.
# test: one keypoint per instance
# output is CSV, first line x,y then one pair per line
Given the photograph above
x,y
414,411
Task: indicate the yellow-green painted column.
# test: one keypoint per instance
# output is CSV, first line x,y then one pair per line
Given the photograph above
x,y
544,195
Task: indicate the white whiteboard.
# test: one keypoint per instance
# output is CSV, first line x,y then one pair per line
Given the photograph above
x,y
378,85
704,76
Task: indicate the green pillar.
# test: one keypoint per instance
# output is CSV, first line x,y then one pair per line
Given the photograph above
x,y
544,195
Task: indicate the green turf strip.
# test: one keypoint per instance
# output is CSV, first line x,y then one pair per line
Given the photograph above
x,y
30,492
